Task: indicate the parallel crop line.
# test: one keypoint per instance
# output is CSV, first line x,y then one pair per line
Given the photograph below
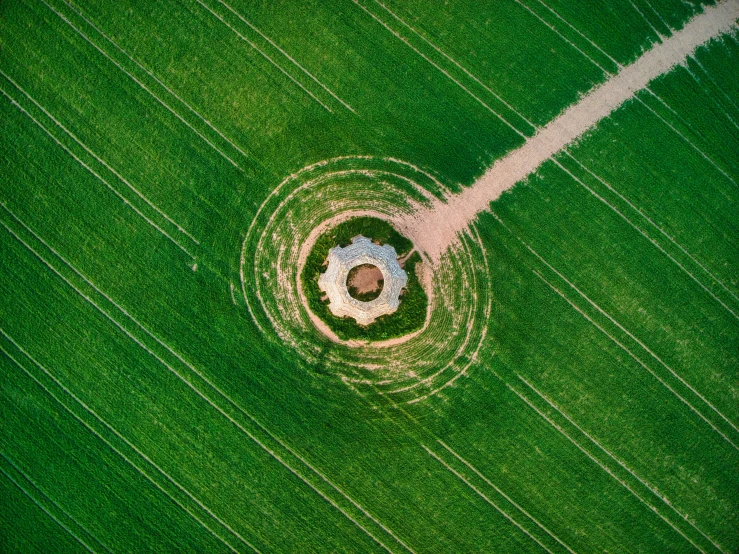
x,y
465,462
47,512
651,222
711,96
673,391
602,466
686,139
651,7
44,494
571,26
621,463
303,69
460,66
121,437
325,479
504,495
640,343
195,389
455,81
143,86
102,162
636,97
159,82
641,232
482,495
720,88
538,256
564,38
654,29
198,373
265,56
88,168
47,497
666,105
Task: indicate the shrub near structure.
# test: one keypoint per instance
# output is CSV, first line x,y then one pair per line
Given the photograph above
x,y
413,302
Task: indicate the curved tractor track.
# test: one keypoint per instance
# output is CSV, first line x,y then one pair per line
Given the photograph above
x,y
323,194
439,223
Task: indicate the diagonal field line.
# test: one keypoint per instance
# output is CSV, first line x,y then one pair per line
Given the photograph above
x,y
482,495
102,162
602,466
672,372
288,56
435,228
169,349
703,88
159,82
710,78
620,462
265,56
649,90
49,499
121,437
379,408
682,136
47,512
446,73
88,168
641,232
651,222
456,63
196,390
564,38
45,495
637,359
143,86
662,20
504,495
640,343
641,14
571,26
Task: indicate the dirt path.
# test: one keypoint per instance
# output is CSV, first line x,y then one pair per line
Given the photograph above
x,y
436,228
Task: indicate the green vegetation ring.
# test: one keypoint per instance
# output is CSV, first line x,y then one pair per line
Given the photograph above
x,y
280,238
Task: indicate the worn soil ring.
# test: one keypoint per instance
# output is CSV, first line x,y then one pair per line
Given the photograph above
x,y
285,229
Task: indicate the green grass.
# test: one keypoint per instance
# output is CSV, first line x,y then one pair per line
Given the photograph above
x,y
411,313
143,409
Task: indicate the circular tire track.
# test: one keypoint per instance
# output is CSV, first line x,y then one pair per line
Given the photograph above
x,y
321,195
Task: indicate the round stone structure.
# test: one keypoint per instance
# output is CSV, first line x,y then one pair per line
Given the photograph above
x,y
362,251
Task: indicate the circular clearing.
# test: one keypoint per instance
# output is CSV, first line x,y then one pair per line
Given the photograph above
x,y
280,238
362,252
365,282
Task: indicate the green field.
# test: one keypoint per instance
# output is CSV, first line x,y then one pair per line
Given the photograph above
x,y
577,389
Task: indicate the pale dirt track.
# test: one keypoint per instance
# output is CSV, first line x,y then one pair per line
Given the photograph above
x,y
434,229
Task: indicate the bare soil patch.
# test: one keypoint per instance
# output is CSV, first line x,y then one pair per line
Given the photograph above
x,y
365,282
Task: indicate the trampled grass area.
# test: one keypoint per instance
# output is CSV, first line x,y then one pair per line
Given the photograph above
x,y
143,408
